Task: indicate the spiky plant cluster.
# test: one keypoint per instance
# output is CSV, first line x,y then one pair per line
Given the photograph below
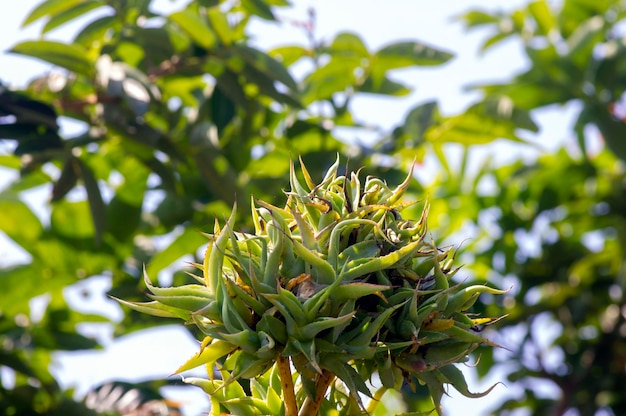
x,y
336,285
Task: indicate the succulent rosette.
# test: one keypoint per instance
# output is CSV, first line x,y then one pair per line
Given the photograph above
x,y
333,295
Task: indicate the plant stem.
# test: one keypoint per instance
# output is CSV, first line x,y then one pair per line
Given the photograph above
x,y
312,407
286,382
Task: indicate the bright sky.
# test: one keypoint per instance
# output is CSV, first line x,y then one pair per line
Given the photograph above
x,y
158,353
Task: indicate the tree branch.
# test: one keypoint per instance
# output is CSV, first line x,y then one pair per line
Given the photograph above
x,y
312,407
286,382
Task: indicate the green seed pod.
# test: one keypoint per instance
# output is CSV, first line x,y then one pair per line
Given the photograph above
x,y
336,283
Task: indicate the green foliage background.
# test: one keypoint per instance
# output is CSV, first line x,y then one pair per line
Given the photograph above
x,y
181,109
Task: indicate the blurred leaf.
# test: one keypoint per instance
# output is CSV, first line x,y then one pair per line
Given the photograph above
x,y
220,25
195,27
70,14
472,128
18,222
22,283
13,361
30,137
575,12
420,119
540,11
223,109
495,39
69,56
95,30
348,45
60,340
157,44
186,243
384,87
10,161
584,39
26,110
288,55
228,83
403,54
258,8
72,219
334,77
273,164
94,197
67,181
475,18
49,8
123,212
267,87
613,130
503,109
267,65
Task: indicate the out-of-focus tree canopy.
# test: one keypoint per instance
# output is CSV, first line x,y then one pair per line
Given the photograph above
x,y
181,117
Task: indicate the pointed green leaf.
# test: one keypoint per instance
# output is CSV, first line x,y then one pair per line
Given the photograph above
x,y
357,290
348,375
155,308
455,377
310,331
207,355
